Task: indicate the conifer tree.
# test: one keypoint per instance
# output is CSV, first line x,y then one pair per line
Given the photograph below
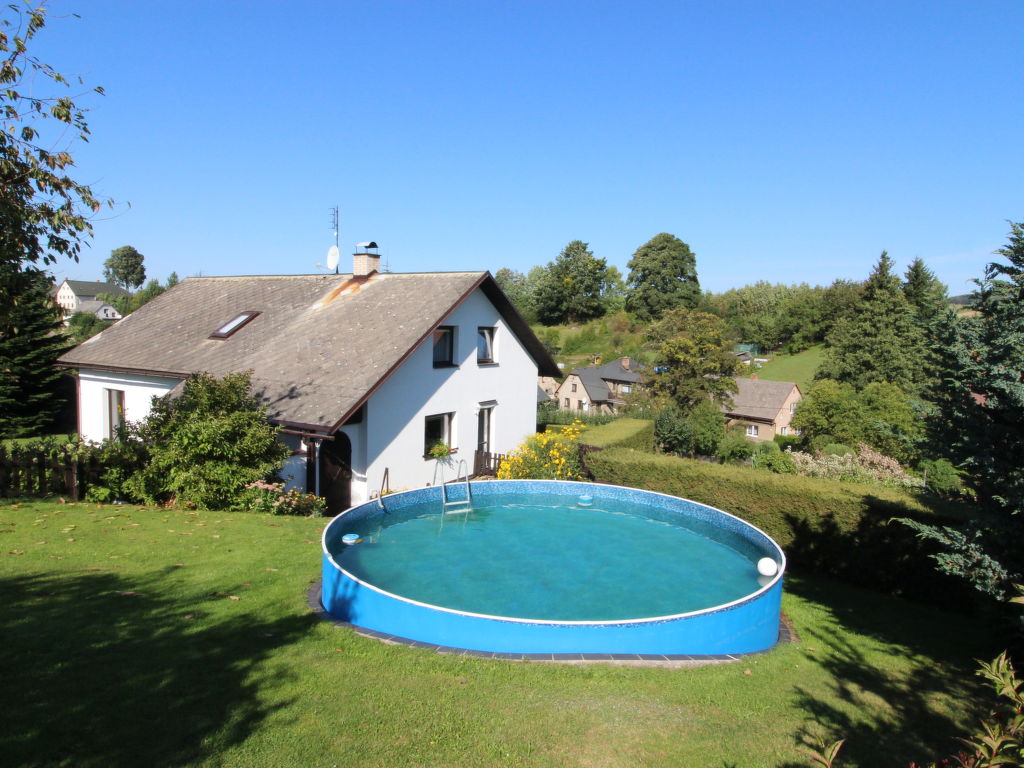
x,y
30,343
925,292
880,340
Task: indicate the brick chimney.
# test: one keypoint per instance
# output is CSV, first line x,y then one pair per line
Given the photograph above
x,y
365,263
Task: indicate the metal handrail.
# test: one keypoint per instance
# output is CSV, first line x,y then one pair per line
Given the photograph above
x,y
384,483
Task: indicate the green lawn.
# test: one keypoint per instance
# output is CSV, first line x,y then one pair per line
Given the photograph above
x,y
799,367
148,637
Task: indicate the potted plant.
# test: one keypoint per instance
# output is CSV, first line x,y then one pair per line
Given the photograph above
x,y
439,450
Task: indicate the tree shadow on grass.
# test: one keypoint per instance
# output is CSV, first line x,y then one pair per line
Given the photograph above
x,y
890,719
100,672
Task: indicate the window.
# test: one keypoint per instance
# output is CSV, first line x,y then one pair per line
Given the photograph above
x,y
485,345
437,429
233,324
626,389
115,411
751,430
783,431
574,386
566,404
792,408
483,427
579,405
444,346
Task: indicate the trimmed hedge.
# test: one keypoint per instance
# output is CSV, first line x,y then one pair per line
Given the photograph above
x,y
621,433
824,526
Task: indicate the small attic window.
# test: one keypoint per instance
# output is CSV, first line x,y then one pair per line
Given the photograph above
x,y
233,325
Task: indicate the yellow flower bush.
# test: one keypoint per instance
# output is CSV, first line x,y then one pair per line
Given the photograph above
x,y
552,455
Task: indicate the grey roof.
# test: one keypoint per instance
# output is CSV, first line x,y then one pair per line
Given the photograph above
x,y
759,399
319,347
92,306
595,377
84,288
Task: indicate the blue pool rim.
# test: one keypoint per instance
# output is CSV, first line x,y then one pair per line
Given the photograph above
x,y
747,625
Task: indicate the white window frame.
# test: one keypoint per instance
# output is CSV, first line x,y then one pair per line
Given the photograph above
x,y
446,436
752,430
113,412
486,335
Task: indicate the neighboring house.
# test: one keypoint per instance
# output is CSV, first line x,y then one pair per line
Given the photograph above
x,y
546,388
599,388
363,372
70,294
100,309
763,408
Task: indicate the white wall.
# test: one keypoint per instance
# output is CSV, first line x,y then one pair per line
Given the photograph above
x,y
395,414
139,392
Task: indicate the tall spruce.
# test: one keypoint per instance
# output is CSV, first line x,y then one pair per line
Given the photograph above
x,y
880,340
981,423
925,292
662,276
31,340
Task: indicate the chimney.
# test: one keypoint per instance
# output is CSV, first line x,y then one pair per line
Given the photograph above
x,y
625,363
365,263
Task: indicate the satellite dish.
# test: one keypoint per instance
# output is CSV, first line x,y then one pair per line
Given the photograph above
x,y
332,258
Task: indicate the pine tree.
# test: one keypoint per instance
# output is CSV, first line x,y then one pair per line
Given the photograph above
x,y
880,341
30,343
925,292
662,276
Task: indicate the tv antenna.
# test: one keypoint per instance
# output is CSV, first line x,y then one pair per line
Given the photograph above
x,y
333,254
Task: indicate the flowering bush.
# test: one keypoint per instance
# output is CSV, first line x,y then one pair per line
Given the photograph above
x,y
866,466
552,455
272,498
440,451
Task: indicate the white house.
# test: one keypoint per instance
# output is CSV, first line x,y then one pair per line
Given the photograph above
x,y
70,295
364,372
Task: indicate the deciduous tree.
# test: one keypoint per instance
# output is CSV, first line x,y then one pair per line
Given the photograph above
x,y
571,288
662,276
694,361
125,267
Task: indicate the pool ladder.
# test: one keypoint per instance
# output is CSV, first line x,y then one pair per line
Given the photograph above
x,y
461,476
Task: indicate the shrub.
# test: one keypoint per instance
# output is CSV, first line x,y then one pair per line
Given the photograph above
x,y
272,498
775,461
788,441
553,455
837,449
825,526
735,448
941,477
206,445
866,466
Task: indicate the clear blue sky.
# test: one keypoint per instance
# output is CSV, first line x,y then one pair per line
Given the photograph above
x,y
784,141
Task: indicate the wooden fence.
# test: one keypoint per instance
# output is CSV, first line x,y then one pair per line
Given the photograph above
x,y
485,464
36,474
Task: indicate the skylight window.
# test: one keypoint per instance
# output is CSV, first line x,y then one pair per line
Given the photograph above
x,y
233,325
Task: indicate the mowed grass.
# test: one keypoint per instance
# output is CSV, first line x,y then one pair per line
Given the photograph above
x,y
135,636
798,368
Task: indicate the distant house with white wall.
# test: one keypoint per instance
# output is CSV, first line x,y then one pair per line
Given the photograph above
x,y
599,388
100,309
70,294
364,372
763,408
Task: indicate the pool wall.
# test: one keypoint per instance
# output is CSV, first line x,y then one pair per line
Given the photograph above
x,y
744,626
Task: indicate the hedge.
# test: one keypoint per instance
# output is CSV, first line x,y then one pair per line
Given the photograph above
x,y
824,526
621,433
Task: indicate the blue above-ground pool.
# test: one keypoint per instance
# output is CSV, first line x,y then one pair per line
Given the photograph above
x,y
545,566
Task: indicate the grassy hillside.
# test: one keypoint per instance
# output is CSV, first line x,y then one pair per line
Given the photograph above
x,y
799,368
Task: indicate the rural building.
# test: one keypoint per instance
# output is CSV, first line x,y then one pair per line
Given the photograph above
x,y
364,372
763,408
70,294
599,388
100,309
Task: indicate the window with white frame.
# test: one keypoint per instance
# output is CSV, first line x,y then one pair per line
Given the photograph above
x,y
783,431
484,419
626,389
485,345
437,431
792,408
751,430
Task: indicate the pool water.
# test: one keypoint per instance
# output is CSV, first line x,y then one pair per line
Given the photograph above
x,y
546,558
